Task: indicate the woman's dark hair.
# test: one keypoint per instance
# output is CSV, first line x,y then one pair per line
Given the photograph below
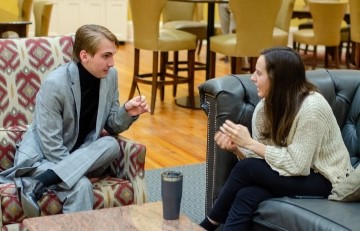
x,y
288,89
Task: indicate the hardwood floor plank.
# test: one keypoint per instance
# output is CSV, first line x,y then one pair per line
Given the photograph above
x,y
173,135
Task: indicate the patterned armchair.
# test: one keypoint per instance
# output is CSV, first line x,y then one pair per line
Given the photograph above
x,y
23,64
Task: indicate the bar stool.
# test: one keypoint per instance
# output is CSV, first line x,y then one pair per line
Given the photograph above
x,y
148,36
254,33
282,24
324,32
42,13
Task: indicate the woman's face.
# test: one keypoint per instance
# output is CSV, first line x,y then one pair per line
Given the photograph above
x,y
261,78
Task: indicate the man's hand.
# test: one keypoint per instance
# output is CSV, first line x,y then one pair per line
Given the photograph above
x,y
137,106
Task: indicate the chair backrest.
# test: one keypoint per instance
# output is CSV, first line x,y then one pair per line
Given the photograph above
x,y
24,63
175,11
42,13
146,22
354,6
25,7
327,18
254,25
284,15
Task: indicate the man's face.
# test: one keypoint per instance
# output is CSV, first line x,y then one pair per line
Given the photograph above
x,y
99,64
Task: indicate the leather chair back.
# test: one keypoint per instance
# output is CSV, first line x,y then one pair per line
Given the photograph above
x,y
174,11
247,21
284,15
25,7
146,22
354,20
42,13
327,18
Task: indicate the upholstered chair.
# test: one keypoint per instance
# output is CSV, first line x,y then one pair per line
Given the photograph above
x,y
25,62
185,16
25,9
355,31
282,24
148,36
254,32
42,13
324,32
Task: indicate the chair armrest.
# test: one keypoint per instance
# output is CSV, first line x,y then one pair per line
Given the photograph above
x,y
222,98
130,165
9,138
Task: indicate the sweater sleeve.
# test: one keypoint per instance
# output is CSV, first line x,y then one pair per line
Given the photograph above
x,y
308,132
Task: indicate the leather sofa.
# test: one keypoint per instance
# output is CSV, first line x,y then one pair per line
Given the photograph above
x,y
234,97
23,64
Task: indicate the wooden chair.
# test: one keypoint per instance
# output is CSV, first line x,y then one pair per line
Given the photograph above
x,y
254,32
25,9
148,36
42,13
355,32
282,24
324,32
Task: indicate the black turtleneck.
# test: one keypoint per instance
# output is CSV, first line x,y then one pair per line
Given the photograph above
x,y
90,86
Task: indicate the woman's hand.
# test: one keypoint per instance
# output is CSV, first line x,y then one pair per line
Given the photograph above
x,y
224,142
238,133
137,106
240,136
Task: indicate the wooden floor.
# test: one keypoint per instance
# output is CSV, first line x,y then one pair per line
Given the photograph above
x,y
173,135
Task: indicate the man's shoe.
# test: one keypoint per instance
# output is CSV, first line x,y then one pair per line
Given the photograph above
x,y
30,191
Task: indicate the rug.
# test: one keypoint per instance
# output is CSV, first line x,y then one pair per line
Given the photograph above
x,y
193,195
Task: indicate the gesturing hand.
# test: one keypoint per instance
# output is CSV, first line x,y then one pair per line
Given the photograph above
x,y
137,106
224,142
238,133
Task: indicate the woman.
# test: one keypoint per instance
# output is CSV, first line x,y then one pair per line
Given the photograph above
x,y
296,148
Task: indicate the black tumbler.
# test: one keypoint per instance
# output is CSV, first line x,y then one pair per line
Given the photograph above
x,y
171,193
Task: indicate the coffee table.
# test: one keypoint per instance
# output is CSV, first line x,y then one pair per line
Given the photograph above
x,y
146,217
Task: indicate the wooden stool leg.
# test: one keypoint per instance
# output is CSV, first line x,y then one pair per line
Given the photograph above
x,y
154,80
191,70
136,73
162,73
212,65
176,71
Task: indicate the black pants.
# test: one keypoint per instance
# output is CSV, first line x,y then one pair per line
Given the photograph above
x,y
253,181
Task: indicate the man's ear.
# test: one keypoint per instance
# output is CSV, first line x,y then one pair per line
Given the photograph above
x,y
83,56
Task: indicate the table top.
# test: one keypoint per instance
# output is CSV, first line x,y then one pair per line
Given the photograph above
x,y
7,17
133,217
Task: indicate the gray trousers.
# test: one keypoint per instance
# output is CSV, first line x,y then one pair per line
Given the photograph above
x,y
76,190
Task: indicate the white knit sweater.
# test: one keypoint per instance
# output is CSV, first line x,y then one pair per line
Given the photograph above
x,y
314,142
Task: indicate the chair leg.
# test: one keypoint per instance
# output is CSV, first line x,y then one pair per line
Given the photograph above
x,y
252,61
176,71
154,80
314,58
162,73
191,70
136,73
212,65
337,57
199,47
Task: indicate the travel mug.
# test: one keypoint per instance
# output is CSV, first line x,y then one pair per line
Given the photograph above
x,y
171,193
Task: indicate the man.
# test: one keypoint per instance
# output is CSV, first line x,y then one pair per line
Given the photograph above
x,y
63,144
